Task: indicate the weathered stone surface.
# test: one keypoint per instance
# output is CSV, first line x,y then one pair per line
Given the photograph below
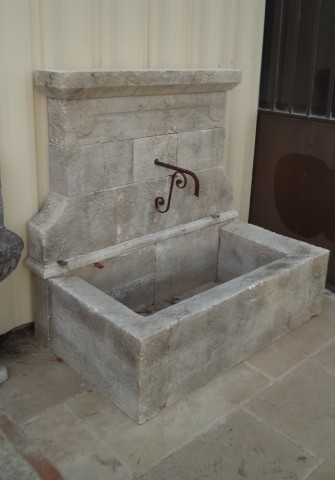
x,y
102,153
239,255
90,168
146,150
201,149
294,249
91,121
55,270
41,308
186,262
216,195
137,215
222,326
128,278
70,226
91,332
110,83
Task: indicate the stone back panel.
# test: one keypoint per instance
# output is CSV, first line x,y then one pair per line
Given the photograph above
x,y
102,152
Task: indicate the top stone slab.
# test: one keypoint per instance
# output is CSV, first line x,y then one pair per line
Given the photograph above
x,y
63,84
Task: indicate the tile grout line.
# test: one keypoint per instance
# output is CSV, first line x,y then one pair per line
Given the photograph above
x,y
124,464
258,370
57,404
296,365
220,420
284,435
315,470
86,427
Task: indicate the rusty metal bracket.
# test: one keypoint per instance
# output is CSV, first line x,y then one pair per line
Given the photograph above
x,y
180,183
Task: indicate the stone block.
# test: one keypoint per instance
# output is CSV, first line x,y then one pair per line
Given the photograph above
x,y
41,308
115,83
70,226
92,333
186,262
216,195
136,213
201,149
90,168
146,150
91,121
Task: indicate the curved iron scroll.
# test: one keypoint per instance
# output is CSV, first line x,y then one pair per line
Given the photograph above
x,y
180,183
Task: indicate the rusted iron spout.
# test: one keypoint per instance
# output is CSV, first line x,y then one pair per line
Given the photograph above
x,y
180,183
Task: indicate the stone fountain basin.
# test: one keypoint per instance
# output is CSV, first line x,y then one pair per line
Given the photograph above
x,y
256,286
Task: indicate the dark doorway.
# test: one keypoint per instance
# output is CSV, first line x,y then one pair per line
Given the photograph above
x,y
293,190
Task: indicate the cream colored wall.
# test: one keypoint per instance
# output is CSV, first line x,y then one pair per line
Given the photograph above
x,y
74,34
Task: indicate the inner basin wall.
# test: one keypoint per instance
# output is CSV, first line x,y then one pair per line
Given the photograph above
x,y
169,268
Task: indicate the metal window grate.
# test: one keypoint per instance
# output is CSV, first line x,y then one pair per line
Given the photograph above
x,y
298,67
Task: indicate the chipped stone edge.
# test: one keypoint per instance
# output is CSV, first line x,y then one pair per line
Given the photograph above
x,y
55,270
63,84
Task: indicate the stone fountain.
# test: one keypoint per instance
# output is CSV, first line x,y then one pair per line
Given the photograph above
x,y
145,282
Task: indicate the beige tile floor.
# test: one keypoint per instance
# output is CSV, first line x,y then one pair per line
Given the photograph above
x,y
270,417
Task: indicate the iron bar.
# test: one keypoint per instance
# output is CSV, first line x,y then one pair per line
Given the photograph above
x,y
330,93
275,57
313,59
294,50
